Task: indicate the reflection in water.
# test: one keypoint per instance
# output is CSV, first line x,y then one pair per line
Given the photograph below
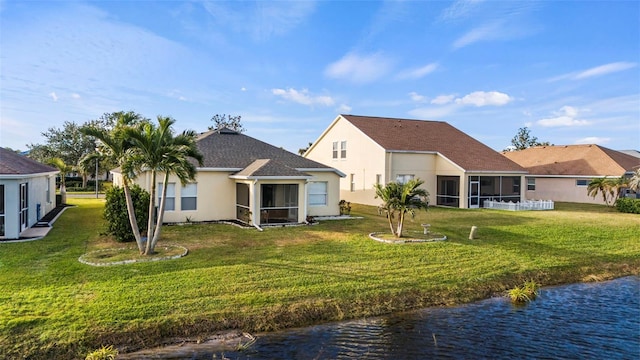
x,y
580,321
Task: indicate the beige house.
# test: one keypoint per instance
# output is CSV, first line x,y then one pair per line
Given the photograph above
x,y
458,170
27,193
248,180
563,173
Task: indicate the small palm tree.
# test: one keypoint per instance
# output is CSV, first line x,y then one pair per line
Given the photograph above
x,y
634,182
402,199
156,149
114,144
64,170
600,185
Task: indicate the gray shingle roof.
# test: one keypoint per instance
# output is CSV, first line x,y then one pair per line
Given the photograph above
x,y
12,163
437,136
269,168
228,149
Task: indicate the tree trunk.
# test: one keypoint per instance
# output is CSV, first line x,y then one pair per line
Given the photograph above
x,y
156,234
400,224
132,215
63,193
390,218
152,204
85,179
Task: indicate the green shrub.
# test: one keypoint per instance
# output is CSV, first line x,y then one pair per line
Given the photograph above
x,y
104,353
115,212
628,205
525,293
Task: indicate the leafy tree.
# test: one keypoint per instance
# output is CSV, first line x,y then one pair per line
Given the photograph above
x,y
301,151
227,121
116,211
114,144
524,140
402,199
156,149
64,170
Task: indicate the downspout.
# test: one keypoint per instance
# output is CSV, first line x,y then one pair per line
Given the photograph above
x,y
306,201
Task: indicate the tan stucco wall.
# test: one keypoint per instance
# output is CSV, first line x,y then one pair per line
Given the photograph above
x,y
561,189
333,194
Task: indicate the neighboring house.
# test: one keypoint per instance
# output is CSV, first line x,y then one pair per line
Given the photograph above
x,y
458,170
563,173
27,192
245,179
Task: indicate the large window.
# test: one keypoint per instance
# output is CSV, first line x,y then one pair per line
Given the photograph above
x,y
498,188
170,201
1,210
318,193
404,178
243,211
448,191
279,203
189,197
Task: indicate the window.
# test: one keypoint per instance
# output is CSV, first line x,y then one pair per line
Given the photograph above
x,y
279,203
343,149
531,184
353,182
448,192
404,178
189,197
170,201
48,189
582,182
318,193
335,149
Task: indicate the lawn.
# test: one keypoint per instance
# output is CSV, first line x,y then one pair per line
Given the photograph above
x,y
53,306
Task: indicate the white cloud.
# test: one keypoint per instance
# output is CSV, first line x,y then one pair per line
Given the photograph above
x,y
596,71
359,69
417,97
459,9
443,99
75,96
418,72
566,116
344,109
303,97
483,98
605,69
487,32
53,96
593,140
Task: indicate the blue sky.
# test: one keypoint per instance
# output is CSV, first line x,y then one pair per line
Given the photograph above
x,y
568,70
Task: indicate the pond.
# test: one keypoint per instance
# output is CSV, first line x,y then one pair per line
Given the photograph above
x,y
578,321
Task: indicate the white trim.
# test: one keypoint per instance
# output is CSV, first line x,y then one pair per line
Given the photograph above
x,y
244,177
25,176
340,173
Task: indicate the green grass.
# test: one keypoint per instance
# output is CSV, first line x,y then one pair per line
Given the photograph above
x,y
52,306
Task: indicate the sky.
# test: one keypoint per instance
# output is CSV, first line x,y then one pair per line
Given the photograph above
x,y
567,70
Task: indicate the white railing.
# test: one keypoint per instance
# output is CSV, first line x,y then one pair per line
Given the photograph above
x,y
519,206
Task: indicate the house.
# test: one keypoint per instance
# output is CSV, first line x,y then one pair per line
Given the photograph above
x,y
458,170
563,172
248,180
27,192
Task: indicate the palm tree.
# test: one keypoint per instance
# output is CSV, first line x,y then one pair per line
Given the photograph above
x,y
157,150
114,144
599,185
64,170
634,183
402,199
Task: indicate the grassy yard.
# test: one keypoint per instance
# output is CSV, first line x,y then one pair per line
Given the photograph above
x,y
52,306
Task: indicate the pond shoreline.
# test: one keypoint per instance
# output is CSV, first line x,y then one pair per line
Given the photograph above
x,y
232,339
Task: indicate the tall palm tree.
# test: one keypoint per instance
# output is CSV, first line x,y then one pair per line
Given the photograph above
x,y
634,182
64,170
114,144
157,150
402,199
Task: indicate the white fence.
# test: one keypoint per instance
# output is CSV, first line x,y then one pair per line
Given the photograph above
x,y
519,206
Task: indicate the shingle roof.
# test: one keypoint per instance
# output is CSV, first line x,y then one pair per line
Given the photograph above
x,y
228,149
269,168
437,136
12,163
584,160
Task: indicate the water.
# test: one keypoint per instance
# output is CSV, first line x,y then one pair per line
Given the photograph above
x,y
579,321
